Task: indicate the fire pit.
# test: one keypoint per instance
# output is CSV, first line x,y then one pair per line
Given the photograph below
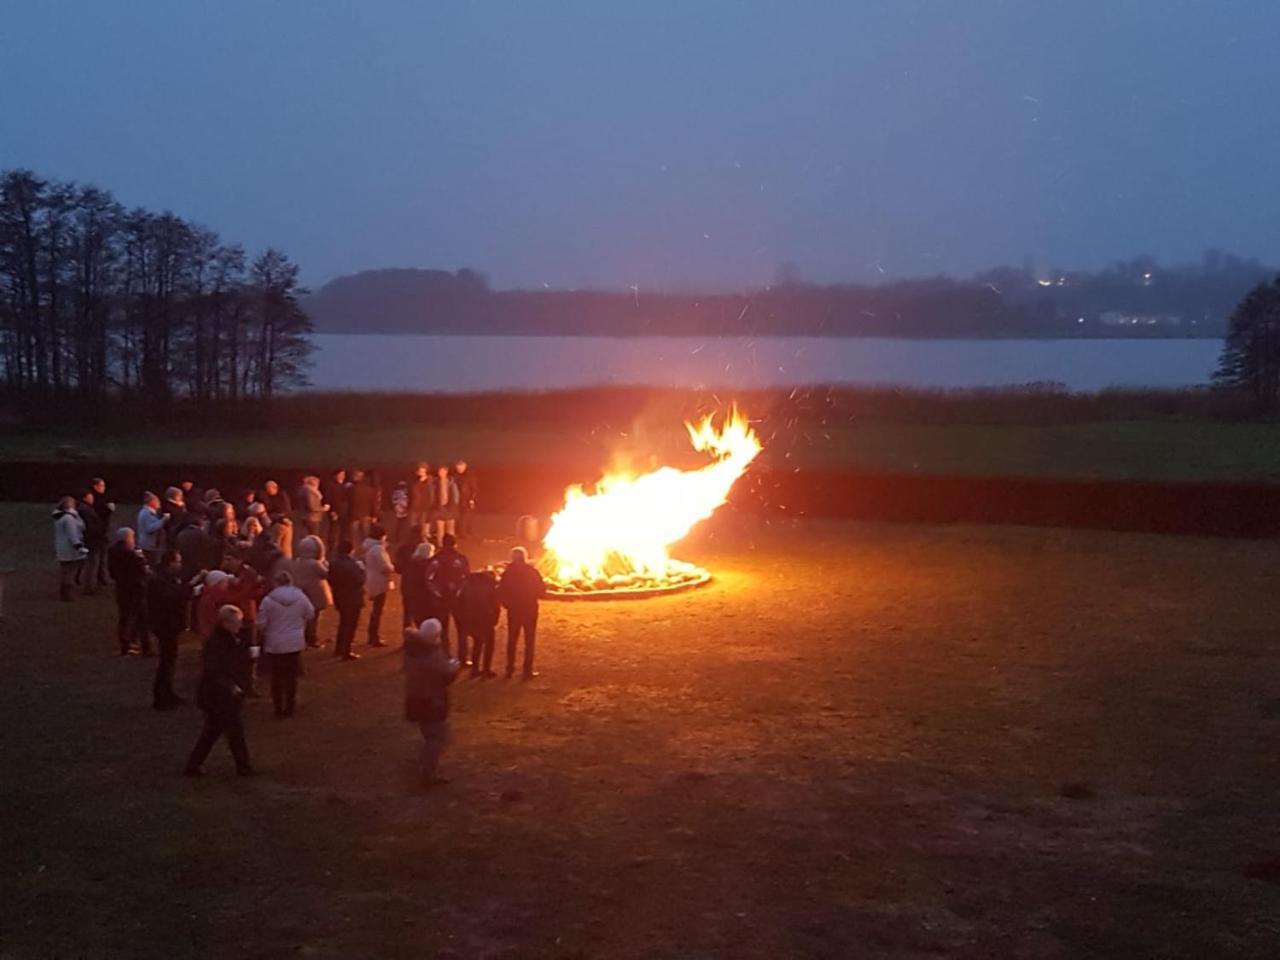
x,y
611,543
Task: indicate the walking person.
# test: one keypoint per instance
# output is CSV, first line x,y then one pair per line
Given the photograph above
x,y
220,694
467,491
477,613
346,577
168,597
104,508
68,546
311,575
519,591
128,568
377,580
283,616
444,507
428,671
92,573
446,571
151,524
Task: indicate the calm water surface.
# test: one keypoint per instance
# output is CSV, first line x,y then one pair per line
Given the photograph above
x,y
454,364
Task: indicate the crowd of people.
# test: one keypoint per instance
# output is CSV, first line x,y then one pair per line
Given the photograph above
x,y
255,574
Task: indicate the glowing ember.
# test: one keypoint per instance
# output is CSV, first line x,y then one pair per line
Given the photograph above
x,y
614,541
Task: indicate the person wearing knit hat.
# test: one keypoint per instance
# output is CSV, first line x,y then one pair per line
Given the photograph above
x,y
428,671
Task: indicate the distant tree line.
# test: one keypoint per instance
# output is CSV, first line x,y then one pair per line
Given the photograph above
x,y
98,301
1136,297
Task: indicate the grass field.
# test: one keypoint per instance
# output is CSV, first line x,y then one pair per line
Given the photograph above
x,y
859,741
1121,449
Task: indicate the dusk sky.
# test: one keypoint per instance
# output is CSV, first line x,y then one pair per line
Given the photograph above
x,y
666,144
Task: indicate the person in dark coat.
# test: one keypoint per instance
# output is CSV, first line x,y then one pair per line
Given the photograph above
x,y
418,602
446,571
128,568
193,497
104,508
247,499
168,597
175,508
196,548
477,615
336,492
346,579
465,478
428,672
519,591
366,503
420,498
403,561
95,540
221,694
276,501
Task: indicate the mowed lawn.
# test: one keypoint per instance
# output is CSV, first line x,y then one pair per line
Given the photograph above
x,y
861,740
1117,449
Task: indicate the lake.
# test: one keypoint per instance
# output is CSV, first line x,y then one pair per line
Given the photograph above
x,y
460,363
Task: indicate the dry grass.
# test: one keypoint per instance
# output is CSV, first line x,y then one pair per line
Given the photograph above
x,y
860,741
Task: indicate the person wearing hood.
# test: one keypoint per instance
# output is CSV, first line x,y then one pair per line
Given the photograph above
x,y
477,611
377,579
220,694
346,577
168,597
103,506
151,524
95,541
282,624
68,545
128,568
310,572
519,591
428,671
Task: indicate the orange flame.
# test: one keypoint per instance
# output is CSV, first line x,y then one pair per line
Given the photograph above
x,y
622,531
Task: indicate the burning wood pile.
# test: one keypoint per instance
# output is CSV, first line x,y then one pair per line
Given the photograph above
x,y
613,542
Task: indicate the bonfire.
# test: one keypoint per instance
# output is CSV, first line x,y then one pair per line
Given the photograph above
x,y
614,540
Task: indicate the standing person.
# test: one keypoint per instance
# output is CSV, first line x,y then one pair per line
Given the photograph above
x,y
346,577
336,493
446,571
128,568
68,546
444,510
519,591
365,503
193,497
168,597
403,560
195,546
467,490
279,509
105,508
225,549
428,671
247,499
151,523
220,695
95,541
265,555
311,575
311,506
176,514
420,497
477,613
282,623
400,509
377,580
414,594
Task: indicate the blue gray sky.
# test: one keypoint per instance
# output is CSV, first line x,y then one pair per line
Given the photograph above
x,y
690,143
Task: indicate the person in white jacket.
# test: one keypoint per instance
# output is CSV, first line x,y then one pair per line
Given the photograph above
x,y
68,545
150,528
377,579
282,627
